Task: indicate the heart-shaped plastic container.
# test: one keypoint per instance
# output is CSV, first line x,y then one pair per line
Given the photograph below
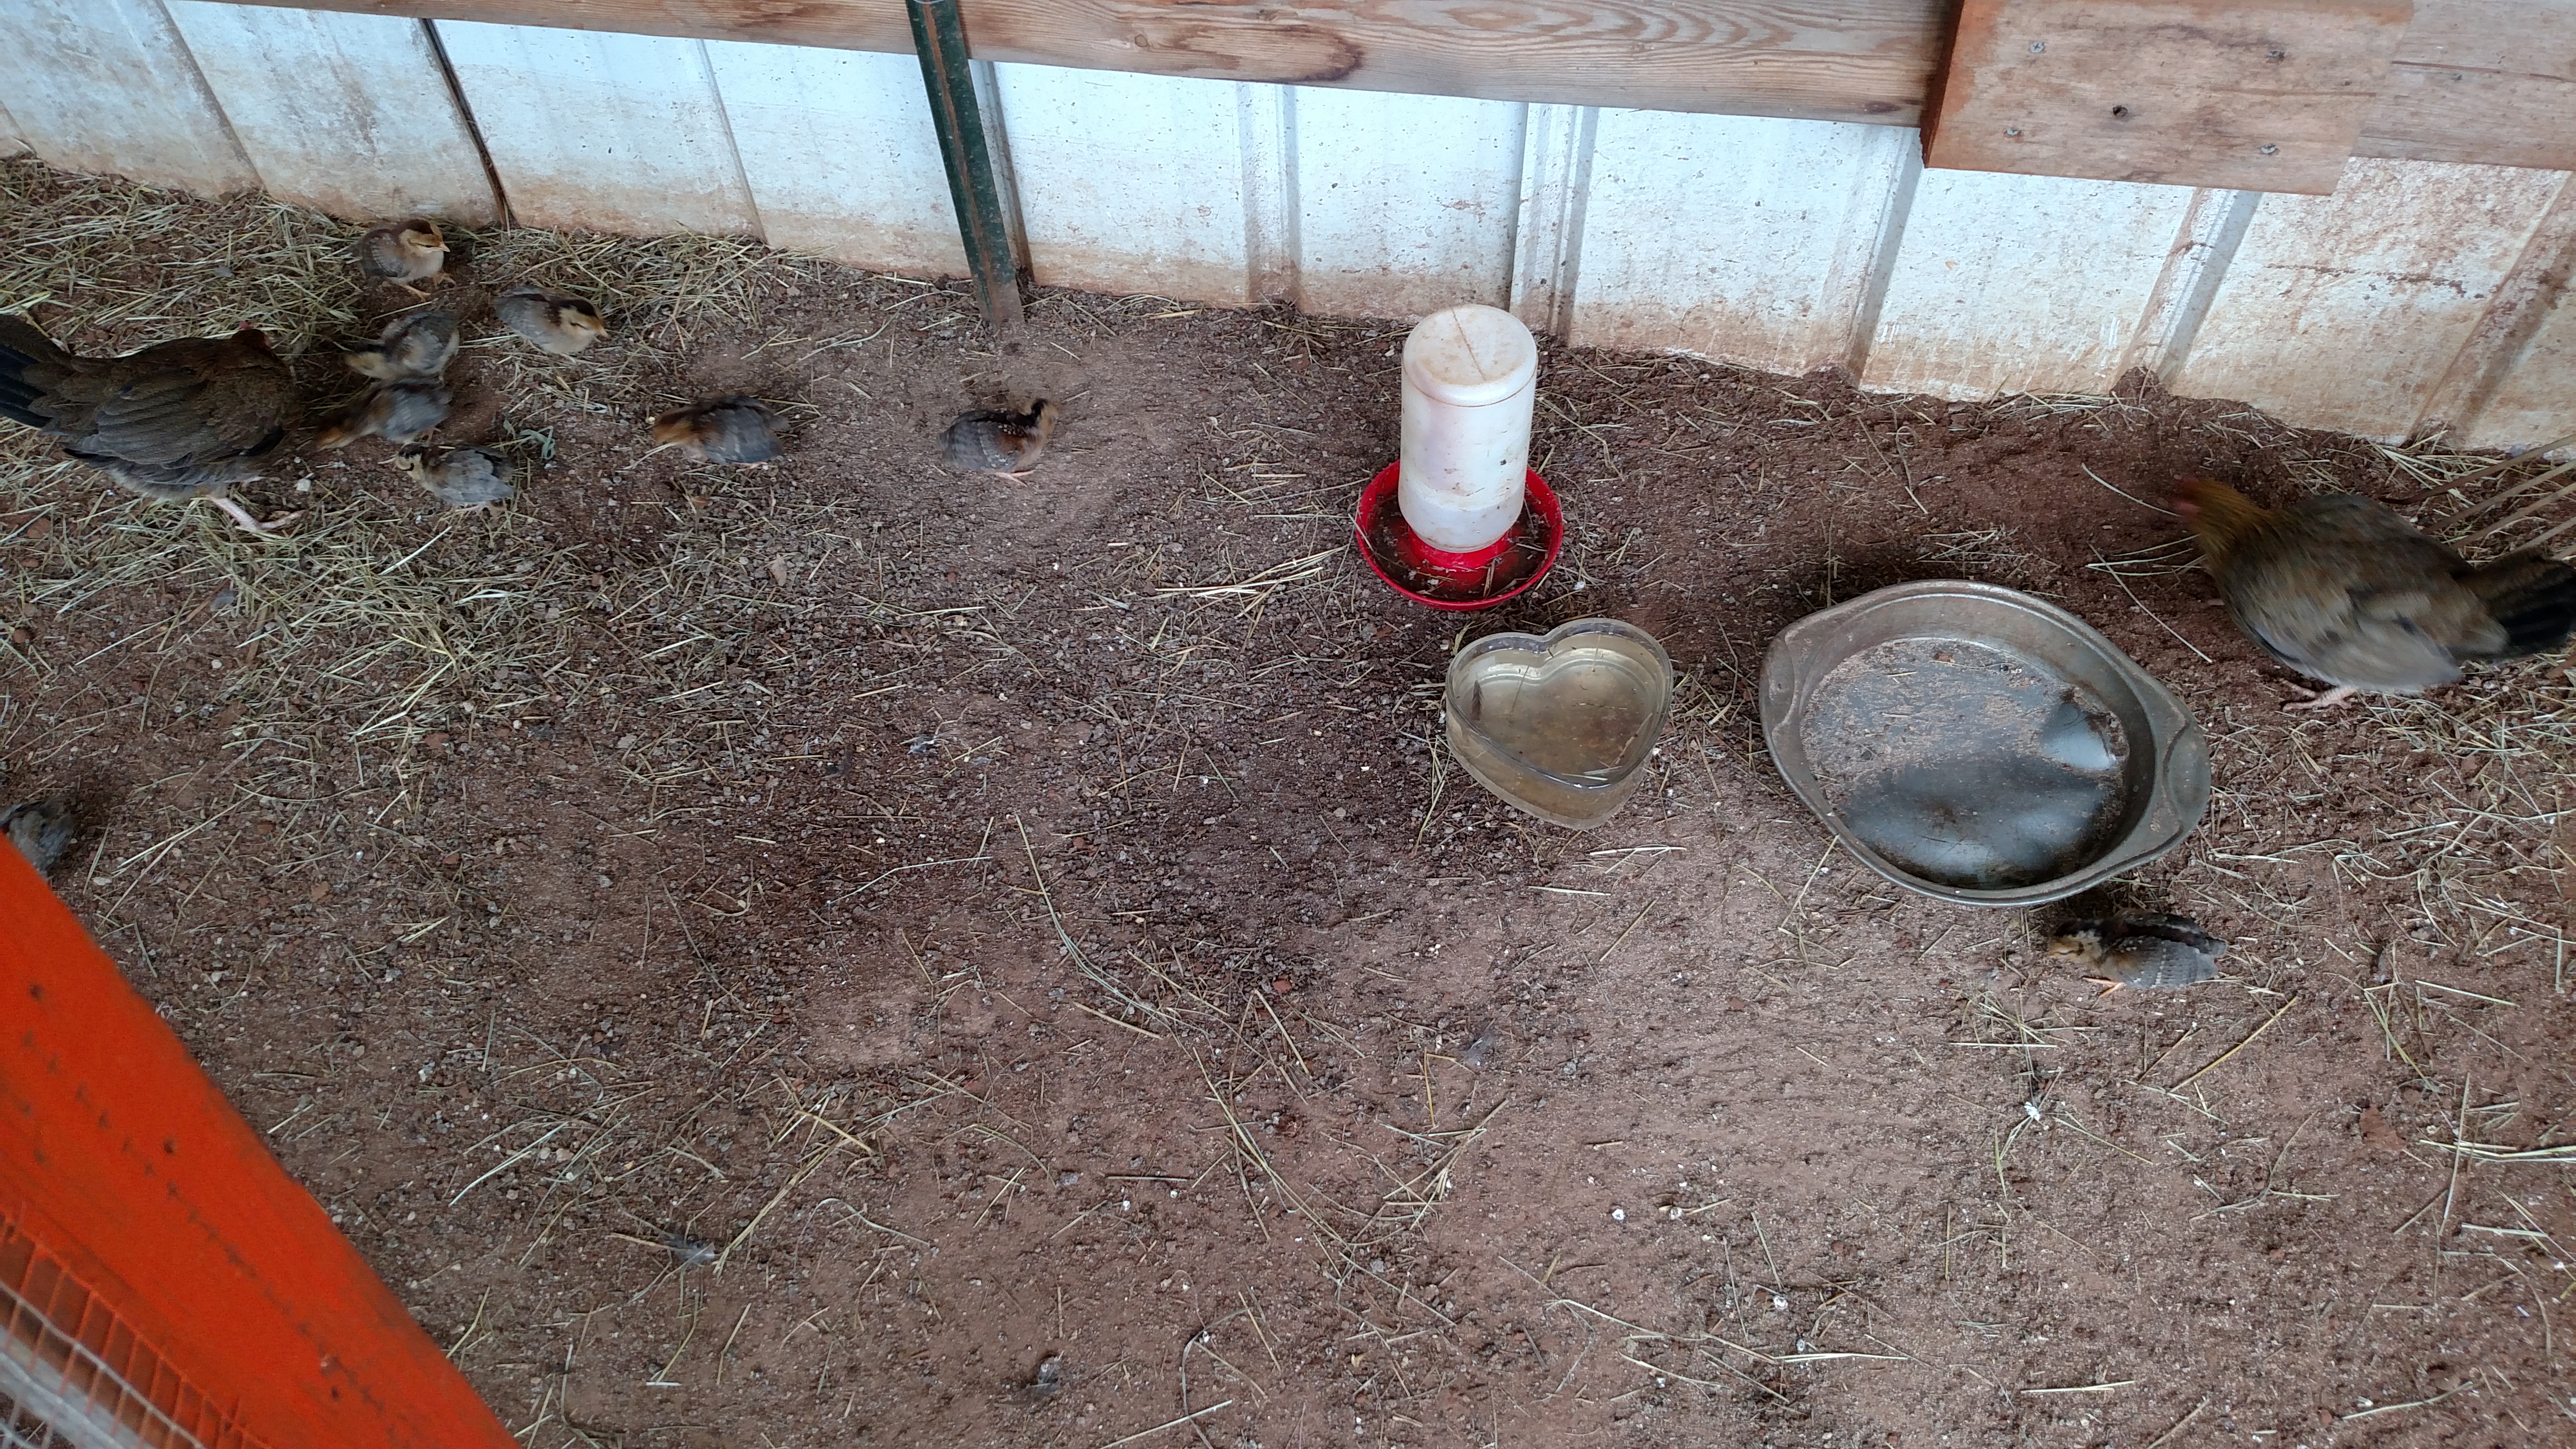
x,y
1560,726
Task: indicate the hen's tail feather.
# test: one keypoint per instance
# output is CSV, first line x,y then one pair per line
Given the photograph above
x,y
2532,595
23,346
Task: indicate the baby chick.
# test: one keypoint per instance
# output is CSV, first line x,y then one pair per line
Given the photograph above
x,y
2343,590
995,440
404,252
42,830
719,430
399,412
459,477
556,321
2152,952
419,345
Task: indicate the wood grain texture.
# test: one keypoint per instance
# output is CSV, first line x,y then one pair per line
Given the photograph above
x,y
2264,96
1858,60
2491,81
2473,80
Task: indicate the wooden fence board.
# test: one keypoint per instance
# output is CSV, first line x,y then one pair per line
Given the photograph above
x,y
1828,59
2266,95
611,132
1870,61
107,87
840,155
366,126
1748,241
2347,311
1994,291
2490,81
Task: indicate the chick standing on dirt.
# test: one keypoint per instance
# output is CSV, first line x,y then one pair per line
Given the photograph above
x,y
459,477
995,440
419,345
181,419
719,430
556,321
42,830
2152,952
399,412
403,253
2343,590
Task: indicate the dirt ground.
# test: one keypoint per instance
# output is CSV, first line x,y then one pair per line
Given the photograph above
x,y
844,953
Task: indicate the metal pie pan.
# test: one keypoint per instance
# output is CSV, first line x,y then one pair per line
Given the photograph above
x,y
1979,745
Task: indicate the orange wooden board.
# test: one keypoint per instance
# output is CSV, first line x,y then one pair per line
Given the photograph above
x,y
124,1165
2263,96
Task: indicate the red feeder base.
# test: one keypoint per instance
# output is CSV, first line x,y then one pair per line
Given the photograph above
x,y
1459,581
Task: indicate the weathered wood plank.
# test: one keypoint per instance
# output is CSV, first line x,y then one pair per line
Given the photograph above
x,y
1994,291
840,155
2481,80
2347,311
611,132
107,87
1759,243
366,128
2266,96
1863,60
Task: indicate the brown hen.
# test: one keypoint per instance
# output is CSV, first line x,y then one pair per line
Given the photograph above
x,y
2343,590
181,419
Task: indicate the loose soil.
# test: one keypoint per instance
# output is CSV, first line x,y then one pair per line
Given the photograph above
x,y
849,953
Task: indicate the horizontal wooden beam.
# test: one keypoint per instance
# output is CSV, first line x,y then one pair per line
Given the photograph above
x,y
2230,95
2489,81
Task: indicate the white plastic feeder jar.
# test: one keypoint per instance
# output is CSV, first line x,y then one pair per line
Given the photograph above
x,y
1470,377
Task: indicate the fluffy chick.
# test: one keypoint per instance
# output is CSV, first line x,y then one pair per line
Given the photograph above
x,y
556,321
399,412
459,477
420,345
997,440
719,430
2343,590
403,252
186,418
2152,952
42,830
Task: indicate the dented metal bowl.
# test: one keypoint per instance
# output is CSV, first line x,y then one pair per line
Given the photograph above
x,y
1979,745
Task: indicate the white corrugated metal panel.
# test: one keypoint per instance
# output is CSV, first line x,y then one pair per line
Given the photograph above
x,y
2418,293
1993,291
1749,241
2511,385
106,86
1137,184
2347,311
1405,204
612,132
368,129
1547,228
839,152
